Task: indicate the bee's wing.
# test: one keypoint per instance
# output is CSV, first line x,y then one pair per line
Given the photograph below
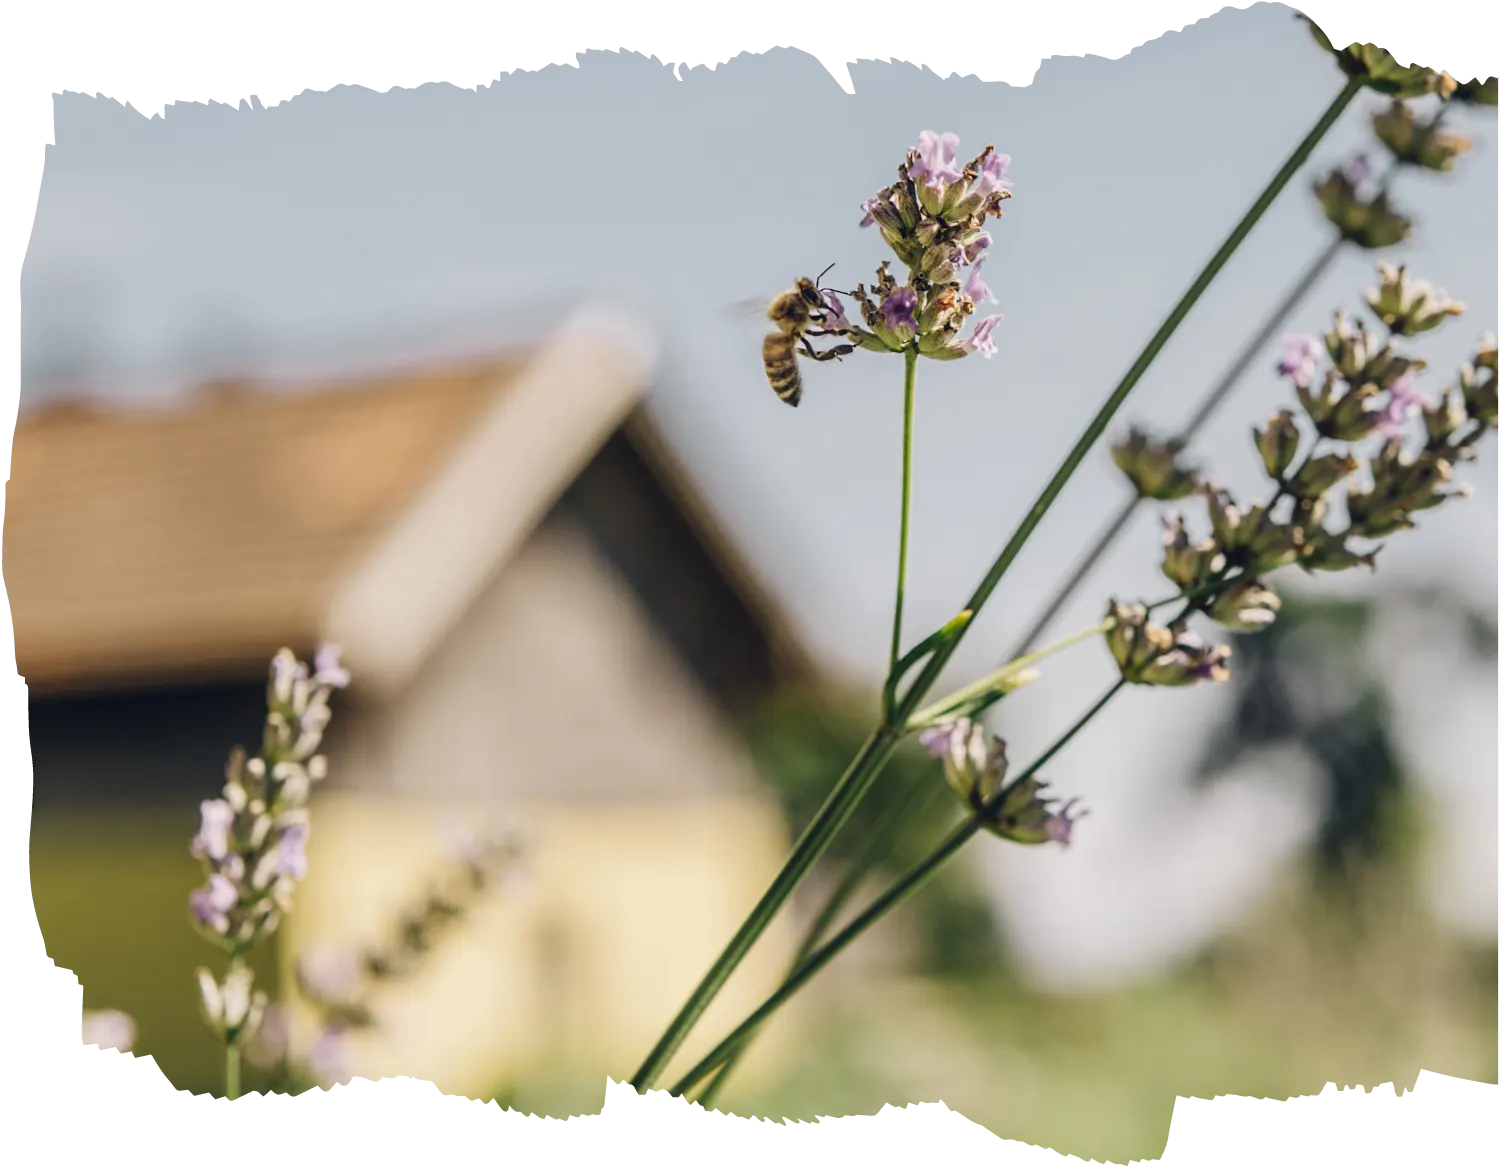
x,y
746,309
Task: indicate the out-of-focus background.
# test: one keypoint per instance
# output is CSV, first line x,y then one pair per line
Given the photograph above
x,y
459,380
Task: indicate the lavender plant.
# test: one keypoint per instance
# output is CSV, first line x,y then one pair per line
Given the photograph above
x,y
932,218
1358,402
252,844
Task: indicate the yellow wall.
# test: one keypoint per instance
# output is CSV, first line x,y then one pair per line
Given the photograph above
x,y
579,967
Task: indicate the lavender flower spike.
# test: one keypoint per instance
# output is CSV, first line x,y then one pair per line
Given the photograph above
x,y
936,159
1300,359
979,342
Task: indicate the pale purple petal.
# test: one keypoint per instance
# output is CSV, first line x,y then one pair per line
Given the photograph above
x,y
836,320
936,158
291,852
867,206
1299,363
975,287
329,671
899,309
980,342
109,1029
977,248
1403,399
212,904
212,839
1059,824
992,175
328,1057
940,740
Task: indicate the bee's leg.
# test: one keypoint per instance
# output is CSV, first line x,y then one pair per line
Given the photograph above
x,y
836,353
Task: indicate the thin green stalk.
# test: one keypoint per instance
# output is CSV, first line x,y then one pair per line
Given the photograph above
x,y
854,783
905,505
231,1070
1205,410
920,795
1116,399
896,894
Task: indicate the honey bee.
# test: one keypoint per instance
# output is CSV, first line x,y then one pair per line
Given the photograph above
x,y
797,315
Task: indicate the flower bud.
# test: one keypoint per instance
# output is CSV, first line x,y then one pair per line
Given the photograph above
x,y
1026,816
1328,552
1476,92
1319,475
974,763
1480,385
1188,564
1188,662
1245,607
1277,443
1370,224
231,1009
1133,641
1444,418
1408,308
1418,143
1151,466
1376,69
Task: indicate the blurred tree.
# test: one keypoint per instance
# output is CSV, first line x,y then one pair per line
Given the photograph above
x,y
801,742
1307,681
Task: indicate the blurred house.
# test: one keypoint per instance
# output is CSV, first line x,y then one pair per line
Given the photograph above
x,y
544,627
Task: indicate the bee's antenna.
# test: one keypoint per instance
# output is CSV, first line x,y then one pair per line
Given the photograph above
x,y
818,283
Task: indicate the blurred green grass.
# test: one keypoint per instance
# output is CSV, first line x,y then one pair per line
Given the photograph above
x,y
1279,1009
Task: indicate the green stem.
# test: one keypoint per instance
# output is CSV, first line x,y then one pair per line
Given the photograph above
x,y
854,783
231,1070
935,711
1116,399
895,895
905,506
918,798
1200,417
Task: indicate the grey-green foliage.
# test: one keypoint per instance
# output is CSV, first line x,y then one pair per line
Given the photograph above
x,y
801,743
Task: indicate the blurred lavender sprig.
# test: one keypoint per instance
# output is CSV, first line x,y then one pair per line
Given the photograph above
x,y
340,985
252,842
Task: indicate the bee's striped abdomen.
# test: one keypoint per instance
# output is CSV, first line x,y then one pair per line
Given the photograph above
x,y
779,352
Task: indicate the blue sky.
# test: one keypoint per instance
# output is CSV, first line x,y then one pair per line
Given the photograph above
x,y
351,226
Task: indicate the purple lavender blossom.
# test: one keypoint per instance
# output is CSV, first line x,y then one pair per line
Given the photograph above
x,y
936,159
212,838
212,904
1403,398
992,176
977,248
1357,171
836,320
1300,359
975,288
940,740
867,206
329,671
980,342
1059,824
291,852
899,309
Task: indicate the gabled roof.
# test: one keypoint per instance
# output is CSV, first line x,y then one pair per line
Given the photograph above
x,y
190,543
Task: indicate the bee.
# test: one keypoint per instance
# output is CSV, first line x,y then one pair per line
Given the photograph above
x,y
797,315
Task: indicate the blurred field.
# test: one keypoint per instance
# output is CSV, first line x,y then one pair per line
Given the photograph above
x,y
1277,1010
